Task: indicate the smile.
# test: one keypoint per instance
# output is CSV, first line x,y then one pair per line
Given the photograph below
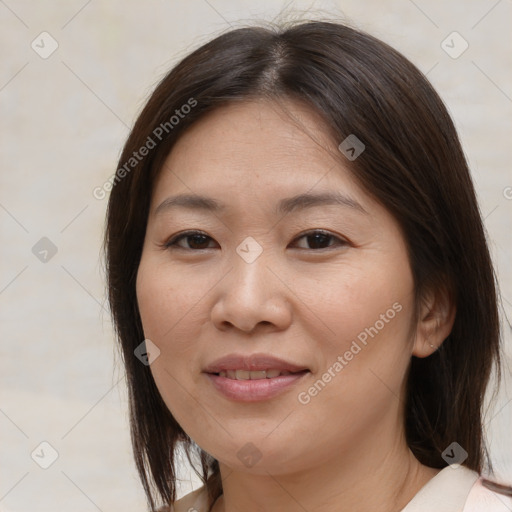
x,y
254,386
253,375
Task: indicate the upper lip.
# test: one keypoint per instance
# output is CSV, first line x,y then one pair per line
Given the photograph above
x,y
253,362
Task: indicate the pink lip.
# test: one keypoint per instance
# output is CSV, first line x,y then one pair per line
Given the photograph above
x,y
258,389
252,362
254,390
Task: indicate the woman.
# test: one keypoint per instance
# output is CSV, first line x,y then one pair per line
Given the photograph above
x,y
300,282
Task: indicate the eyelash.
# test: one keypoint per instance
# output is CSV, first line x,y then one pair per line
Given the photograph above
x,y
172,243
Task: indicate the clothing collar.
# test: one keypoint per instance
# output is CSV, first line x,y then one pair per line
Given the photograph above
x,y
446,492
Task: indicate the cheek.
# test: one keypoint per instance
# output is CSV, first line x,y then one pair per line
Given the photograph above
x,y
166,300
363,296
167,320
368,313
363,365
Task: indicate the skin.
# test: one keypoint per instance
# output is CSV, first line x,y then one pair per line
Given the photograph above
x,y
295,301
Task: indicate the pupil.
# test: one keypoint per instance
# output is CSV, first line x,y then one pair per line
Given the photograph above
x,y
195,237
318,238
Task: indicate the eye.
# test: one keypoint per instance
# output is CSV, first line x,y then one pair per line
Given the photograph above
x,y
318,238
197,238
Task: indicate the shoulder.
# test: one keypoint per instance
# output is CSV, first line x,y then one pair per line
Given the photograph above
x,y
489,497
195,501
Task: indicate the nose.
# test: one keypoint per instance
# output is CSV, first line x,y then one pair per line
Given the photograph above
x,y
252,296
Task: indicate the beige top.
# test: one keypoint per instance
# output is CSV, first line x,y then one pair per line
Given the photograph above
x,y
453,489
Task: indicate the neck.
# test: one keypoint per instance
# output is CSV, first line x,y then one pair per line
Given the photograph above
x,y
373,478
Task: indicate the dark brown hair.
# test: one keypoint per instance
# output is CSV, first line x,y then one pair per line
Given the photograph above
x,y
413,164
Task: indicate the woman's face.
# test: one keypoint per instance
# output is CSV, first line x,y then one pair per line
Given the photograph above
x,y
324,286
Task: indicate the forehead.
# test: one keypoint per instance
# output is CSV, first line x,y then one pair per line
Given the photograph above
x,y
256,149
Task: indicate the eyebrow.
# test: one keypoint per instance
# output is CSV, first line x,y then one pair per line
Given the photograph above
x,y
284,206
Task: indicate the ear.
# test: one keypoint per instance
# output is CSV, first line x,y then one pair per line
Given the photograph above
x,y
435,321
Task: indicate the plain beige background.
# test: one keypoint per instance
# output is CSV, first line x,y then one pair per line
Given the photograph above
x,y
64,118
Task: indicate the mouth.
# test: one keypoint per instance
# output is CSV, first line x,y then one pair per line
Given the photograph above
x,y
253,378
253,364
255,375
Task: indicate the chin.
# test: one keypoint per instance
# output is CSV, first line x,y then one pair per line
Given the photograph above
x,y
262,457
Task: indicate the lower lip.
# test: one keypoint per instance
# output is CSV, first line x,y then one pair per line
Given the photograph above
x,y
254,390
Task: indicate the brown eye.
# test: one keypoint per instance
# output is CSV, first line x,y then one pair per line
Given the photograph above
x,y
320,239
196,240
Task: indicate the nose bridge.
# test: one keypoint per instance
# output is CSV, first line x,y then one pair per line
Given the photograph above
x,y
250,293
250,274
